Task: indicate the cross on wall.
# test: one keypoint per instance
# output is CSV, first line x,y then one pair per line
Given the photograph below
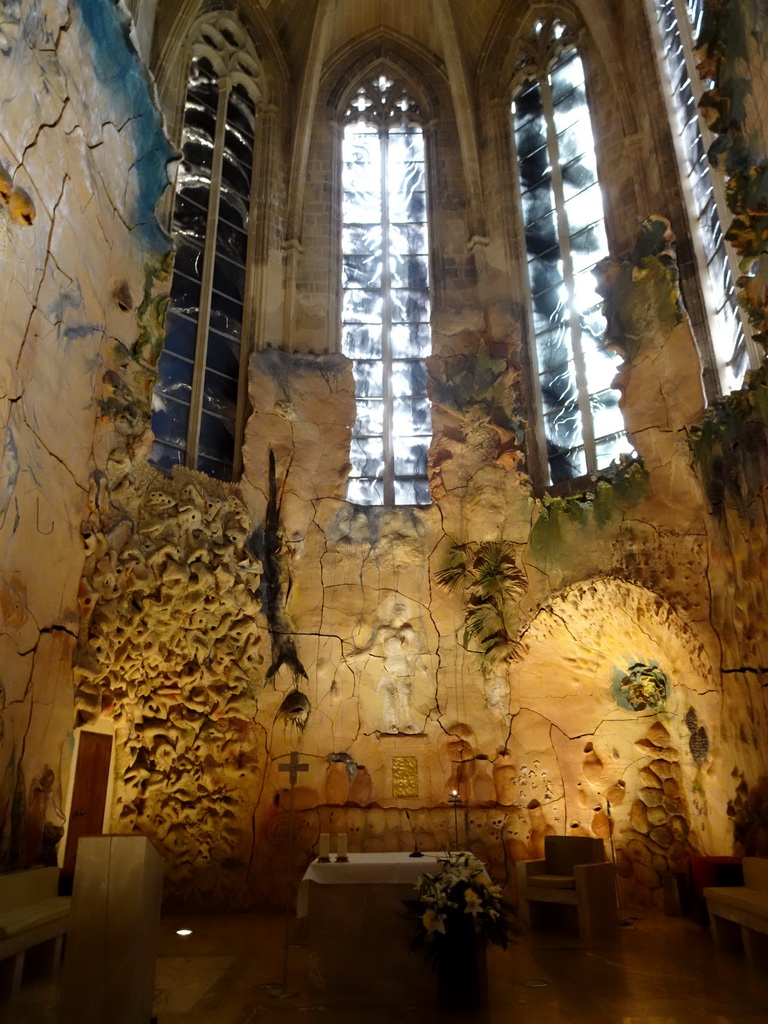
x,y
294,767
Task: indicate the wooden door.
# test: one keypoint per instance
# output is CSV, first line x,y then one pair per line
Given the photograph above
x,y
89,792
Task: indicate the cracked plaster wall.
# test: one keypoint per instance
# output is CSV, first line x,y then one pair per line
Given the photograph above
x,y
82,162
224,626
533,736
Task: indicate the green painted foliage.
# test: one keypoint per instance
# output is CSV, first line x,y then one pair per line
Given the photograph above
x,y
488,575
642,294
731,445
467,381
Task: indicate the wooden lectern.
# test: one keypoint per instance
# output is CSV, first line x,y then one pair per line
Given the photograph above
x,y
109,964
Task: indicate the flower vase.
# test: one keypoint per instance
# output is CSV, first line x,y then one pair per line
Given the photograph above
x,y
462,975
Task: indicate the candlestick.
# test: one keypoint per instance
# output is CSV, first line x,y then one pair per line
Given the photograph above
x,y
455,799
341,847
324,847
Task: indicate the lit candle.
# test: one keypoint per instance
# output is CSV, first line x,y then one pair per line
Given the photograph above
x,y
341,845
324,846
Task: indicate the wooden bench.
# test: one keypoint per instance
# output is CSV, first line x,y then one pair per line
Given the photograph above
x,y
31,913
741,911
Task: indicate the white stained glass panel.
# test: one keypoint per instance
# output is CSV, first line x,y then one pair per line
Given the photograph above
x,y
409,272
553,348
362,240
361,342
578,174
610,449
408,340
606,415
549,308
409,306
411,457
580,210
585,296
370,417
361,271
368,378
359,306
407,239
365,491
408,378
361,177
366,455
566,75
589,246
601,364
411,416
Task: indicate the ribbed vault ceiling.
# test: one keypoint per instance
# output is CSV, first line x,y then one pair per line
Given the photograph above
x,y
293,22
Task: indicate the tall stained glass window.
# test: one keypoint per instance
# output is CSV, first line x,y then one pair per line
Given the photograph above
x,y
385,294
679,23
198,404
581,426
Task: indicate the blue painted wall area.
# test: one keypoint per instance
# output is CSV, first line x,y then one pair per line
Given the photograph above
x,y
127,86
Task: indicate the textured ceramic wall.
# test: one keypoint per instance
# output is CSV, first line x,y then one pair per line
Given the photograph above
x,y
611,676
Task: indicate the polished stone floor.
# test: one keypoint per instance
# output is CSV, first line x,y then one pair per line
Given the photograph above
x,y
660,970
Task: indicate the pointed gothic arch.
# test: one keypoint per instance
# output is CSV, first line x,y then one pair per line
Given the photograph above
x,y
385,296
225,132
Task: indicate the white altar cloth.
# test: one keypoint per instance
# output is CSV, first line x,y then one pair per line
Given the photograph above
x,y
366,868
360,938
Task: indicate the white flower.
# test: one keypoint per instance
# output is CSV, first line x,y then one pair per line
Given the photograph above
x,y
433,922
473,903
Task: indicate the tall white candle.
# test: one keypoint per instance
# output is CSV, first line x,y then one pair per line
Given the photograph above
x,y
324,846
341,844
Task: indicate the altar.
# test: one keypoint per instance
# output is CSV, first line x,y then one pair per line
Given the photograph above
x,y
359,937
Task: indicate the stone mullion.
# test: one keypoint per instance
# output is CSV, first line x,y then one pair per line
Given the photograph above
x,y
206,279
256,262
564,240
297,181
386,325
464,109
521,279
334,340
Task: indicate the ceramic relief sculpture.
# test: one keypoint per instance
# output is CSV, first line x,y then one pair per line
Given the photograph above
x,y
588,662
174,654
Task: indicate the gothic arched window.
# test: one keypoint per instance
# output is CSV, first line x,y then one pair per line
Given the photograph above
x,y
199,401
385,293
679,22
580,425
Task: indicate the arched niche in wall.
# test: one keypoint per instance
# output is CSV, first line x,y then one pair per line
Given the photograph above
x,y
617,722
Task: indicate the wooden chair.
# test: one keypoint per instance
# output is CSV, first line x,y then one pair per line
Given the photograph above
x,y
574,872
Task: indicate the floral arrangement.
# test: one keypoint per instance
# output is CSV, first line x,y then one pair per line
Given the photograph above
x,y
459,900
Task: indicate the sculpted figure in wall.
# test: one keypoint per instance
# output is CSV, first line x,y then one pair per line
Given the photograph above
x,y
394,663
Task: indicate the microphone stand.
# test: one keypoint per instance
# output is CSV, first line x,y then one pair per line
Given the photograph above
x,y
416,851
